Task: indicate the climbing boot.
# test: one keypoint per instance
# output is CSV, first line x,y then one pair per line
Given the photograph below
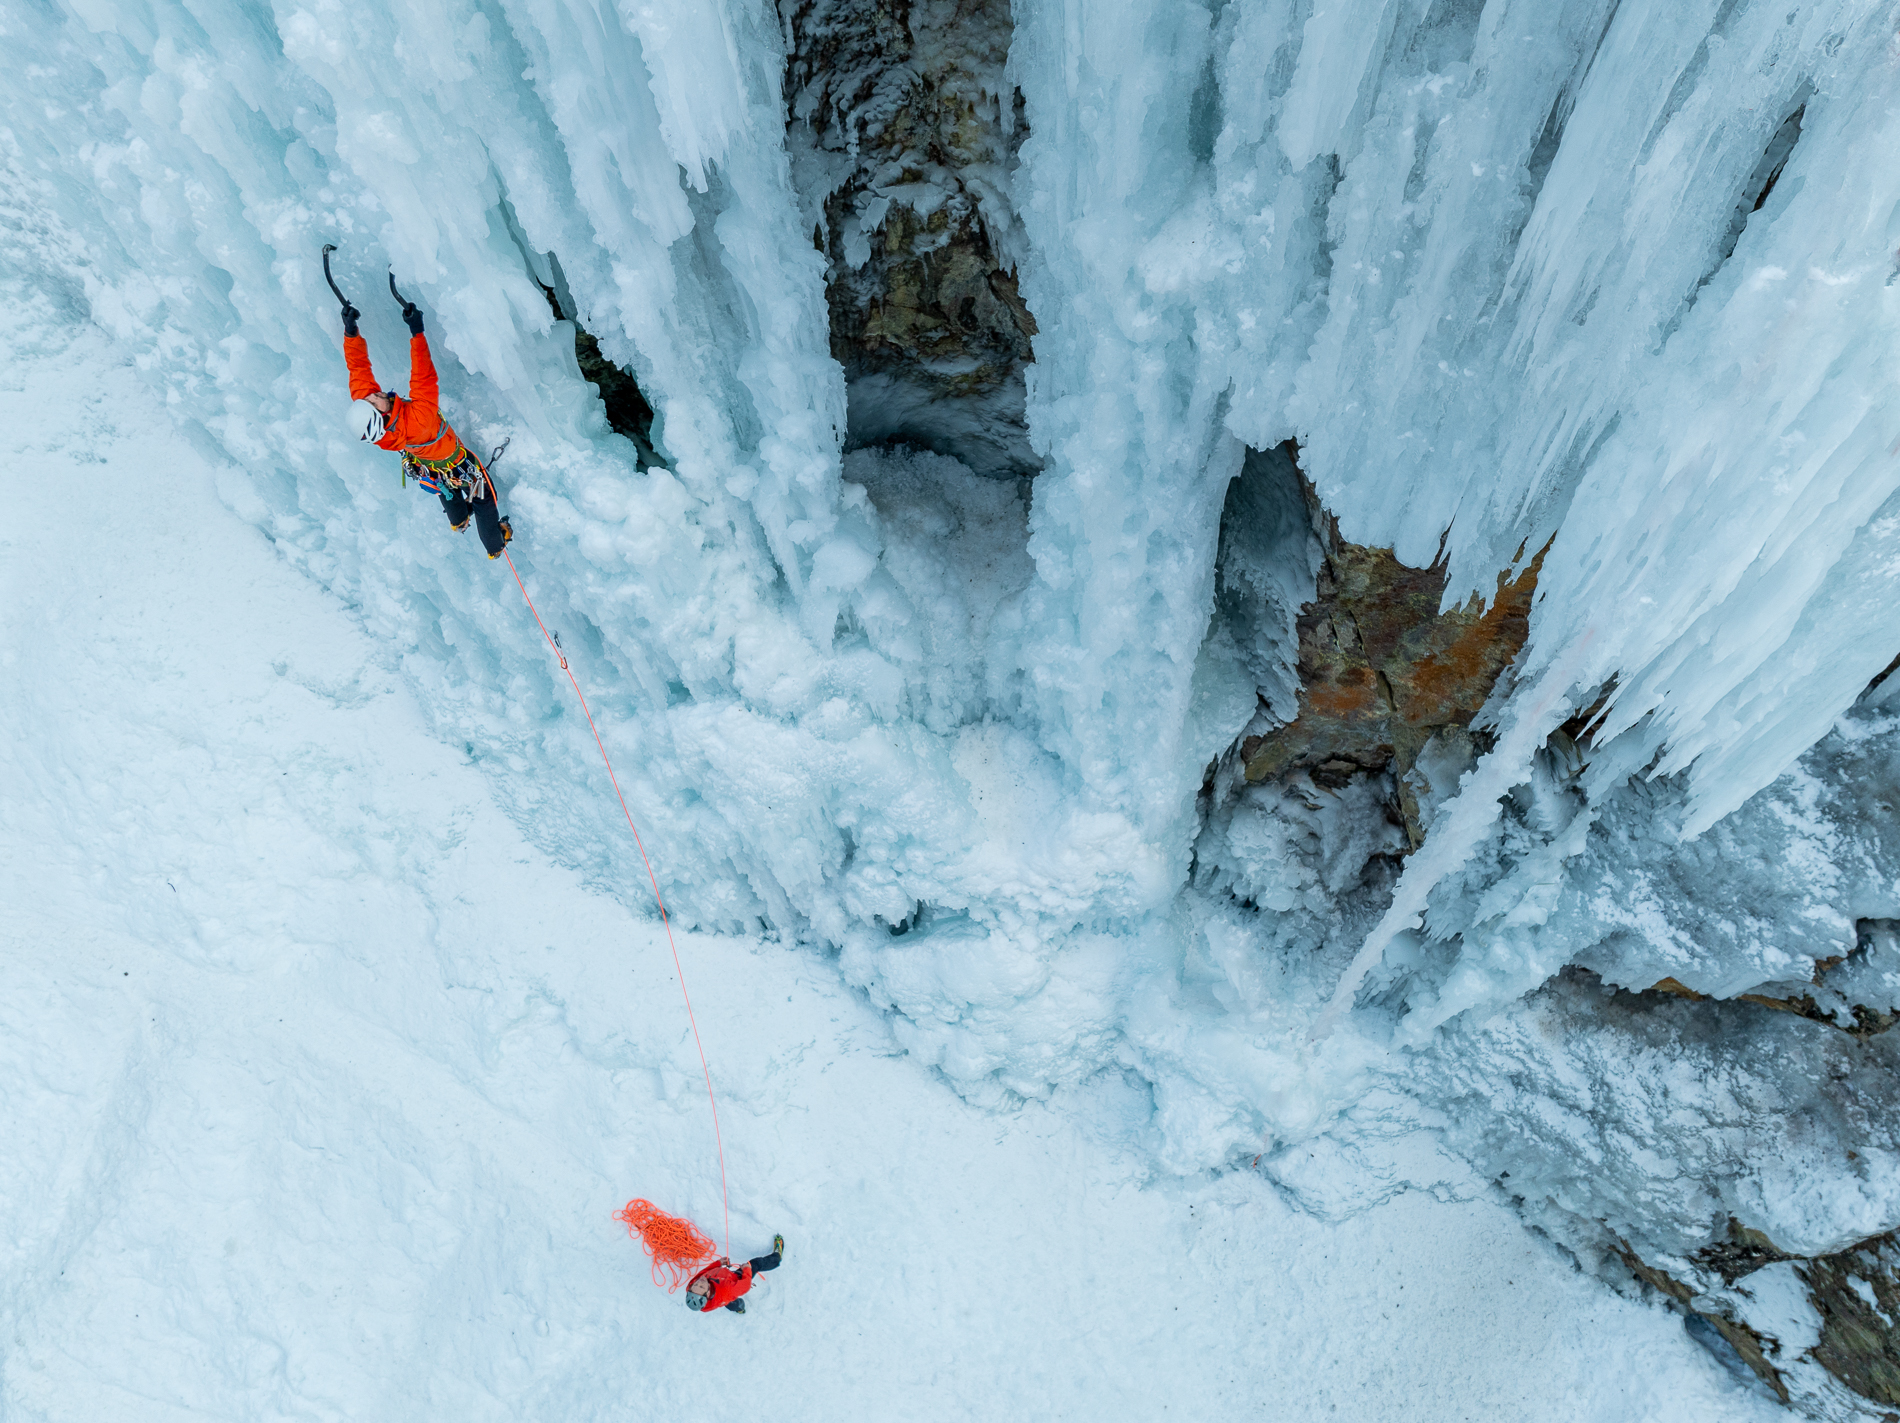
x,y
507,537
778,1246
457,509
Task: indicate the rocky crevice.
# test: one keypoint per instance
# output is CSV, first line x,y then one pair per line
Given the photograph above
x,y
1839,983
1388,682
1854,1296
1755,1348
903,132
628,412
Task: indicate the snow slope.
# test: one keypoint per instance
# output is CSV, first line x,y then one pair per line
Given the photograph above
x,y
322,1082
1617,281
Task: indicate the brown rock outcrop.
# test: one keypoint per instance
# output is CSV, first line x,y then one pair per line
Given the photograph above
x,y
1754,1347
1860,1342
1855,1292
1386,679
1829,997
903,130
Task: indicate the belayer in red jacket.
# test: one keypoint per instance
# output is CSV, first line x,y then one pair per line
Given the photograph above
x,y
414,428
719,1284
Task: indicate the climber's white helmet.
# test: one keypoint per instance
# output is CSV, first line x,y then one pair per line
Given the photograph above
x,y
367,421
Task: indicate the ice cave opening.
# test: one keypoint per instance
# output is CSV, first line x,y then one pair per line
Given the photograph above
x,y
905,133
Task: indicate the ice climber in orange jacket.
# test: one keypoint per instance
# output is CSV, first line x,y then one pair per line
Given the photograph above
x,y
415,429
719,1285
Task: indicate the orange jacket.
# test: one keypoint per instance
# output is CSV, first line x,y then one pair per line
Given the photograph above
x,y
727,1284
416,426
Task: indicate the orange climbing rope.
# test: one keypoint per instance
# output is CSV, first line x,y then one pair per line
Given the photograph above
x,y
673,1243
718,1143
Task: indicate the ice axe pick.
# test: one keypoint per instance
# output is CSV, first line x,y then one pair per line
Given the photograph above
x,y
328,248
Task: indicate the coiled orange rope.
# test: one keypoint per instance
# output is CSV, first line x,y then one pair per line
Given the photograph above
x,y
673,1243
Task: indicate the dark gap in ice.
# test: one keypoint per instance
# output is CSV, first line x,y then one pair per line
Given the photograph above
x,y
627,409
1882,676
1761,182
1704,1333
899,120
1422,136
1446,36
1263,570
920,912
1286,58
1603,33
1691,75
1205,115
1325,183
1544,152
1773,160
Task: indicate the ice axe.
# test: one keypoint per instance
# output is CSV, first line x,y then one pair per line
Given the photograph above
x,y
401,300
328,248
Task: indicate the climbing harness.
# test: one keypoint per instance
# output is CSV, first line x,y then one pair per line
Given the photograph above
x,y
665,920
448,476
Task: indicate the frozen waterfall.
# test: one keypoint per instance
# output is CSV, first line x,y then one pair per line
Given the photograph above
x,y
1041,395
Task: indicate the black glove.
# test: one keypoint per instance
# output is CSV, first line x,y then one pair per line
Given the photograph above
x,y
412,314
350,314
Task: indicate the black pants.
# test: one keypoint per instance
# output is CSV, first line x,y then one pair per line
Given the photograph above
x,y
487,514
759,1267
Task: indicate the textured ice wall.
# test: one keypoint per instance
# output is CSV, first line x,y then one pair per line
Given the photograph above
x,y
1498,267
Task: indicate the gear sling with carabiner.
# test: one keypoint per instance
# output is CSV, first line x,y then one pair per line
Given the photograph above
x,y
466,488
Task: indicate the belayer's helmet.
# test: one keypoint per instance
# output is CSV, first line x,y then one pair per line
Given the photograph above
x,y
367,420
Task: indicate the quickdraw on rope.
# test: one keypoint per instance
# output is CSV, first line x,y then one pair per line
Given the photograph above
x,y
673,1244
669,1240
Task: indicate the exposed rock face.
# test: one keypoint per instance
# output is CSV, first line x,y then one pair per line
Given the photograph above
x,y
903,133
1853,992
1847,1303
1385,679
1754,1347
1857,1293
1718,1138
1736,1157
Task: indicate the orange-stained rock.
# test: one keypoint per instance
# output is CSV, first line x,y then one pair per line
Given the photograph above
x,y
1382,671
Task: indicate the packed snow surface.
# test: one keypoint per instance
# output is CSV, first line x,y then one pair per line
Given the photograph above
x,y
323,1083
